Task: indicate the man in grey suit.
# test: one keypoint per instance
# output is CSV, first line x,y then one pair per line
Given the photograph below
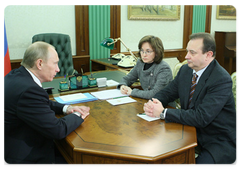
x,y
30,123
211,107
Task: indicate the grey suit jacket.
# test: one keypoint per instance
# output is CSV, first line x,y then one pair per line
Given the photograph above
x,y
152,80
212,110
30,123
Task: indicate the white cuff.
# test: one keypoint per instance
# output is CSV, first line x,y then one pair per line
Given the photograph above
x,y
65,109
77,113
164,114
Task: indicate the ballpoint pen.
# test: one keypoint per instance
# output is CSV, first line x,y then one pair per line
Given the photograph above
x,y
119,97
66,77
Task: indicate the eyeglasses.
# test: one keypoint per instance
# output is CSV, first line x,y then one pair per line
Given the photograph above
x,y
146,52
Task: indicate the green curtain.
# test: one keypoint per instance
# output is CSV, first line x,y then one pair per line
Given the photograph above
x,y
99,28
199,18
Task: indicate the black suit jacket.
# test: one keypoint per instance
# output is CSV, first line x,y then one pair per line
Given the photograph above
x,y
212,110
30,122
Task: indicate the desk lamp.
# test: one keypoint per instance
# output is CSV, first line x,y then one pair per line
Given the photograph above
x,y
126,61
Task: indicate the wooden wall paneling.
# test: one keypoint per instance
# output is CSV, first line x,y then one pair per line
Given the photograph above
x,y
15,63
115,26
81,62
78,63
187,29
179,53
82,58
208,18
82,30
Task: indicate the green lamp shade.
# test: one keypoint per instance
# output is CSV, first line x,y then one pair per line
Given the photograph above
x,y
105,42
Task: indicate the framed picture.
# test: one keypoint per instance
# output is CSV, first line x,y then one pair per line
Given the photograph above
x,y
153,12
226,12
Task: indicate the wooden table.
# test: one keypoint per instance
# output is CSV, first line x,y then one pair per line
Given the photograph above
x,y
115,134
107,64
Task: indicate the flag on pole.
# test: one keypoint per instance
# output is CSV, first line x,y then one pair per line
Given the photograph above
x,y
7,63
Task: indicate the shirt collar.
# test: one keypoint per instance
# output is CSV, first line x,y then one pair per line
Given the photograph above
x,y
34,78
200,72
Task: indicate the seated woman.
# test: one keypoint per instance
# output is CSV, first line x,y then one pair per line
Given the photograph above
x,y
153,73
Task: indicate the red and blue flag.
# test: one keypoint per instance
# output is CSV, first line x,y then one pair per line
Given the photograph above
x,y
7,63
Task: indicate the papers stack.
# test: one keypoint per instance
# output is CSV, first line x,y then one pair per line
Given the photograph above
x,y
101,82
75,98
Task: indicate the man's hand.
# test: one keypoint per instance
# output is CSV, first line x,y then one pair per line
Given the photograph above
x,y
153,108
84,110
125,90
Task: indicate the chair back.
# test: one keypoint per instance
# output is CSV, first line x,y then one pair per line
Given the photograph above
x,y
234,85
177,68
62,44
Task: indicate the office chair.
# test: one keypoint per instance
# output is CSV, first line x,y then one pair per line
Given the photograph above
x,y
234,82
175,72
62,44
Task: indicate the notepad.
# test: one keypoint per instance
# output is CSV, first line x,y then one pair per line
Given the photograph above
x,y
75,98
147,118
121,100
108,94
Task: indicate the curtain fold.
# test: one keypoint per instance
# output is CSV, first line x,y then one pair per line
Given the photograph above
x,y
199,18
99,28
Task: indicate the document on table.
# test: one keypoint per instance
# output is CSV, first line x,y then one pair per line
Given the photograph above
x,y
112,83
108,94
75,98
121,100
147,118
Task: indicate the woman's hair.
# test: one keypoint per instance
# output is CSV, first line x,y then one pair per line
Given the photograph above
x,y
34,52
156,44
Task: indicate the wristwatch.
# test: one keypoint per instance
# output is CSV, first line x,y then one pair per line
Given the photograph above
x,y
78,114
163,114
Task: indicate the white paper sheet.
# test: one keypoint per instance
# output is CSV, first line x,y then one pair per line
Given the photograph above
x,y
112,83
121,100
108,94
73,97
147,118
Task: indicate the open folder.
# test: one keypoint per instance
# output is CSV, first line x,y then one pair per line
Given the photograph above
x,y
75,98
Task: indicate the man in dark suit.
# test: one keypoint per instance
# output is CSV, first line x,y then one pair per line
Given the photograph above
x,y
30,121
211,107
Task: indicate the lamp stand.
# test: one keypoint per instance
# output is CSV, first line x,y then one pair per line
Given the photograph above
x,y
115,40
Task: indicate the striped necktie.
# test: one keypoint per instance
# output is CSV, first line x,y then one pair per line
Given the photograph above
x,y
193,86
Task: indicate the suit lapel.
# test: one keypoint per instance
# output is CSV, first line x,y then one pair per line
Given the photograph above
x,y
202,82
187,86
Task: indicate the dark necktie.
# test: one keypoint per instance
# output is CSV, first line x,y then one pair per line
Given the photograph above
x,y
193,86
